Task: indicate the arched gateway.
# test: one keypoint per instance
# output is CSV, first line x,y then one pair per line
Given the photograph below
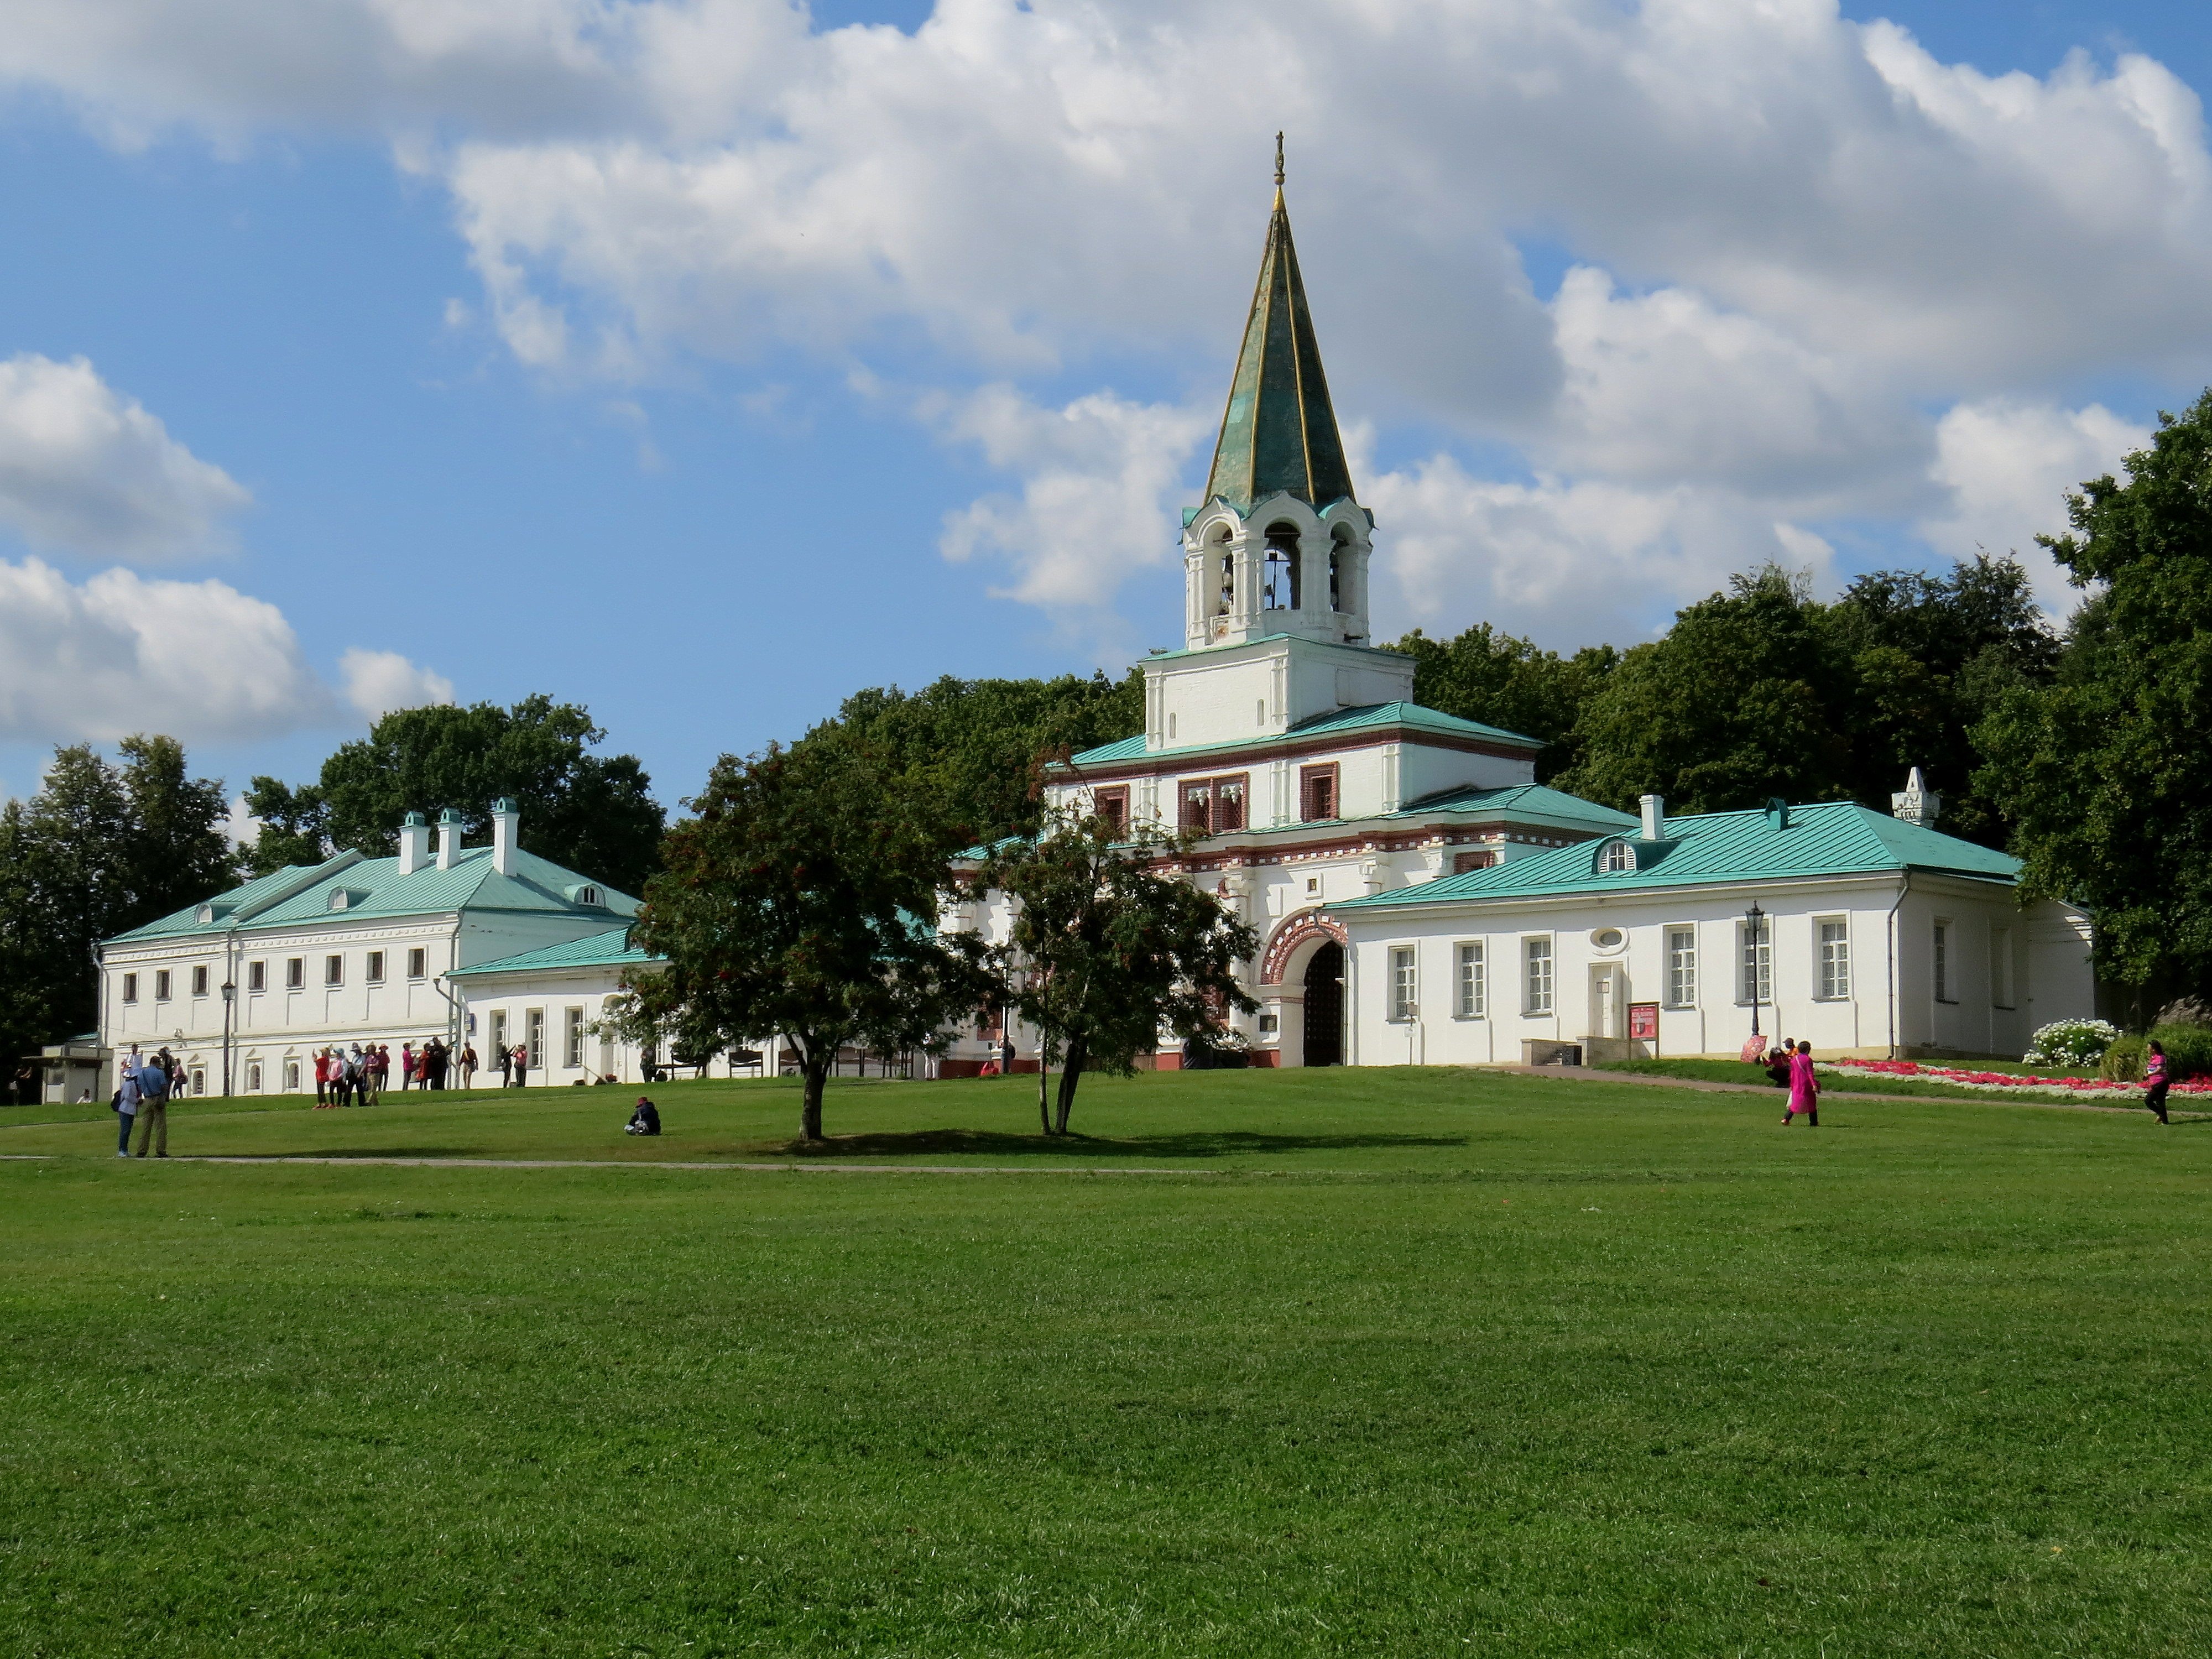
x,y
1302,980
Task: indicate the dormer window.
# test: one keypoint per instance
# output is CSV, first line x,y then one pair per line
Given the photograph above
x,y
588,894
1618,858
340,898
204,914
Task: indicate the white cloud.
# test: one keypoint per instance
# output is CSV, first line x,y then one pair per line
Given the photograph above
x,y
85,470
1099,477
378,682
240,827
120,654
2009,466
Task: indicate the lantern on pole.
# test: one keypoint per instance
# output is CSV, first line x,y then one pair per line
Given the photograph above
x,y
1754,922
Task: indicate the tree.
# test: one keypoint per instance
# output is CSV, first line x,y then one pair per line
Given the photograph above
x,y
976,745
592,813
802,899
1502,680
100,849
1107,949
2104,770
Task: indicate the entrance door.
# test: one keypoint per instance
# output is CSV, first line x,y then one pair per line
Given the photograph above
x,y
1325,1007
1604,1002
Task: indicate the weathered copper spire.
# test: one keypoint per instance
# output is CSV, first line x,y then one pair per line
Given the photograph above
x,y
1280,431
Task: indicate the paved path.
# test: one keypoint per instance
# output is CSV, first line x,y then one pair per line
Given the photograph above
x,y
1841,1096
792,1167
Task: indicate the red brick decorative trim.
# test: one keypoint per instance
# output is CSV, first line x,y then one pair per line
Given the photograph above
x,y
1305,925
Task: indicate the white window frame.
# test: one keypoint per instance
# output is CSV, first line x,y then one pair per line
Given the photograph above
x,y
131,988
533,1038
295,973
374,972
256,977
1744,961
254,1077
572,1037
1681,965
199,978
334,971
1539,976
1835,958
291,1077
1405,984
418,963
1618,858
1939,957
495,1023
1471,979
162,985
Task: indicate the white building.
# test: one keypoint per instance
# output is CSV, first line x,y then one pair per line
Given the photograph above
x,y
554,1002
352,950
1366,839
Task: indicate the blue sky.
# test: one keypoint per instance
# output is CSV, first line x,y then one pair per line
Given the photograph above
x,y
734,491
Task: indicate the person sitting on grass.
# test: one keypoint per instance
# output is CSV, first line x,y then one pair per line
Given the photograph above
x,y
1777,1064
644,1120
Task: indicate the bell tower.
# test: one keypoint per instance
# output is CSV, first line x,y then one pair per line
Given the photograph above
x,y
1279,547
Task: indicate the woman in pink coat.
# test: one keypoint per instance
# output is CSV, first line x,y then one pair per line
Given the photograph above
x,y
1804,1089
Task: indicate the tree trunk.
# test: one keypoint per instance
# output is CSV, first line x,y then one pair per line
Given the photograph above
x,y
1044,1079
1071,1071
809,1110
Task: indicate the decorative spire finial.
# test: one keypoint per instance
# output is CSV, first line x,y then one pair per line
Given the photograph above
x,y
1279,160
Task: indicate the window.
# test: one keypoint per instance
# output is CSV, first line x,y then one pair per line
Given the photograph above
x,y
1260,712
291,1077
254,1077
1618,857
161,985
1681,967
376,967
334,969
1473,994
533,1040
571,1036
1756,981
1278,570
1213,806
1403,1001
1318,800
498,1031
295,973
1463,862
1113,805
257,975
1943,955
417,959
1536,984
1835,959
131,988
2000,993
199,982
589,894
199,1080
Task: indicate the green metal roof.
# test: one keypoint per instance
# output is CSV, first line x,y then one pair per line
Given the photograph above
x,y
1522,801
375,888
1369,716
611,949
1279,432
1834,838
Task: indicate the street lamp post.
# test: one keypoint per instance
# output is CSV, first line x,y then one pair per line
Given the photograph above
x,y
1754,921
229,996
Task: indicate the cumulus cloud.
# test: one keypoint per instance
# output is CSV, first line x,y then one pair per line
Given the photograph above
x,y
2007,468
378,682
1099,476
120,654
85,470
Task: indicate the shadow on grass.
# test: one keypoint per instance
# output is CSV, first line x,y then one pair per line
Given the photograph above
x,y
1196,1143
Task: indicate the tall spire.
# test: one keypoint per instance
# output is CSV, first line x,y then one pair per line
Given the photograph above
x,y
1279,430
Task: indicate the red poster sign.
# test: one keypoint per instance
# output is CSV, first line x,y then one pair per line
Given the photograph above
x,y
1643,1021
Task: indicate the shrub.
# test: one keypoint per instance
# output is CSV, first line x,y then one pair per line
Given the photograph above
x,y
2188,1049
2072,1042
2124,1060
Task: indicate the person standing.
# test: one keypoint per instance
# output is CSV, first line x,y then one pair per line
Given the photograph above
x,y
468,1065
126,1102
505,1066
322,1078
152,1110
406,1066
521,1066
1804,1088
2156,1078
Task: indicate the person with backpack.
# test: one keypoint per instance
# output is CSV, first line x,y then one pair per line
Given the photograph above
x,y
644,1120
152,1110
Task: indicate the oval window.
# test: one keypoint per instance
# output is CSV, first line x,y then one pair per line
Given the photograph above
x,y
1607,939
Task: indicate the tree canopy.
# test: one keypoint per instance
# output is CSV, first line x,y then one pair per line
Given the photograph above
x,y
591,813
1505,681
2103,768
101,849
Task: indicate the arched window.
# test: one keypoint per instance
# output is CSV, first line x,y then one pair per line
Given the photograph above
x,y
1618,858
1280,578
1340,569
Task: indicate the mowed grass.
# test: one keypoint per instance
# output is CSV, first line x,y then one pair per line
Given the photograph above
x,y
1871,1083
1409,1362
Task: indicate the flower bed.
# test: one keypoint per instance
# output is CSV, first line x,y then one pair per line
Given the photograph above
x,y
2004,1082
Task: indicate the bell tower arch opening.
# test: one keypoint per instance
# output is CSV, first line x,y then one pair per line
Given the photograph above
x,y
1281,582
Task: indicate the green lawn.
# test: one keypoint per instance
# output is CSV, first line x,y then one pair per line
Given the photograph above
x,y
1390,1361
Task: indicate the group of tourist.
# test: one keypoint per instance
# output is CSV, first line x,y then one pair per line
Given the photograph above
x,y
1789,1064
434,1063
142,1089
351,1075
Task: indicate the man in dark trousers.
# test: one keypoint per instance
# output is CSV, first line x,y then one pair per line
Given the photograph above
x,y
644,1120
152,1110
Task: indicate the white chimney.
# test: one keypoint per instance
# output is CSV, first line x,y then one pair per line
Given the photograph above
x,y
506,825
414,843
1654,818
449,838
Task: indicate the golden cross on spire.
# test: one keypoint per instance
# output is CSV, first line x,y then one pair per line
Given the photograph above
x,y
1279,160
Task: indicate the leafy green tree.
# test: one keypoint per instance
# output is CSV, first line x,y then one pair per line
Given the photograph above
x,y
976,745
802,899
100,849
1503,680
592,813
1108,950
2103,770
